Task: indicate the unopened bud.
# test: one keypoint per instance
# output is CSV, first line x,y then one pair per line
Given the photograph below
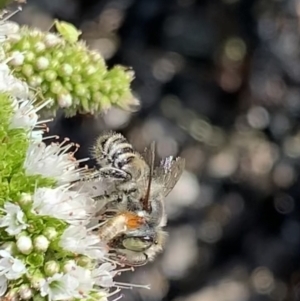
x,y
25,199
50,233
69,265
24,244
41,243
25,292
51,267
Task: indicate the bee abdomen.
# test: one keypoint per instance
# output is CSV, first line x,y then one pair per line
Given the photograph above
x,y
124,159
119,149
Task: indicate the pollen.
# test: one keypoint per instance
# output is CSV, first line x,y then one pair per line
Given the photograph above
x,y
133,221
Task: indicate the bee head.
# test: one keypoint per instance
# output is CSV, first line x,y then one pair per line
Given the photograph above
x,y
137,240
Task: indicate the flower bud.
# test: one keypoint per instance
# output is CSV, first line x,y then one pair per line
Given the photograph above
x,y
17,58
51,40
42,63
25,199
27,70
24,244
51,267
64,100
41,243
84,262
55,87
50,75
39,47
65,70
69,265
37,282
25,292
50,233
68,72
35,81
29,56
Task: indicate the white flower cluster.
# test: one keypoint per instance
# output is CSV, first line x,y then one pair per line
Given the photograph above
x,y
46,247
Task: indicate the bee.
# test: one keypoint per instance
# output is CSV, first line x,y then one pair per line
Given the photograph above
x,y
120,163
135,230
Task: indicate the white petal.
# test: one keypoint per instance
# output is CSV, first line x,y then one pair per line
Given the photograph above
x,y
13,220
17,269
3,285
40,159
5,254
59,287
78,240
70,206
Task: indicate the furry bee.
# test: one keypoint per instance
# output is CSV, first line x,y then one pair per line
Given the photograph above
x,y
134,231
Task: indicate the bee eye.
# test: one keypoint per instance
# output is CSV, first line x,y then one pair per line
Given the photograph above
x,y
137,244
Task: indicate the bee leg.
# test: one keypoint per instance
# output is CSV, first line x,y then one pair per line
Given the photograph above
x,y
114,173
86,177
109,202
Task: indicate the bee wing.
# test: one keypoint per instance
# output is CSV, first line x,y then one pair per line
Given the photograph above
x,y
149,154
169,172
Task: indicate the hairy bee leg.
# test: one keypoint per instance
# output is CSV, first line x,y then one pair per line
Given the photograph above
x,y
107,172
92,175
114,173
107,199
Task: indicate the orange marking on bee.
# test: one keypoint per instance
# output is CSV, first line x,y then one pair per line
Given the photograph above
x,y
133,221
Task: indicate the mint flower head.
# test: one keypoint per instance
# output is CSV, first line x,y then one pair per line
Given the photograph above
x,y
48,247
75,77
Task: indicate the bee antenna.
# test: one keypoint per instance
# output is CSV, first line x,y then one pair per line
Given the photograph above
x,y
145,201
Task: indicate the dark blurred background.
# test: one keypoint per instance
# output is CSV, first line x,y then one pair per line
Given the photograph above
x,y
219,84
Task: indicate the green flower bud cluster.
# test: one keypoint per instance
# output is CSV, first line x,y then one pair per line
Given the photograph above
x,y
13,148
71,74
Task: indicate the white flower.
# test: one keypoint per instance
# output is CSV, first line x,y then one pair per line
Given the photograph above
x,y
13,220
59,287
37,135
25,116
76,239
103,275
8,83
84,279
3,285
10,267
52,161
70,206
7,28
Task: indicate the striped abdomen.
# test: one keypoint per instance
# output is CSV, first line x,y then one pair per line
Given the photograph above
x,y
114,149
